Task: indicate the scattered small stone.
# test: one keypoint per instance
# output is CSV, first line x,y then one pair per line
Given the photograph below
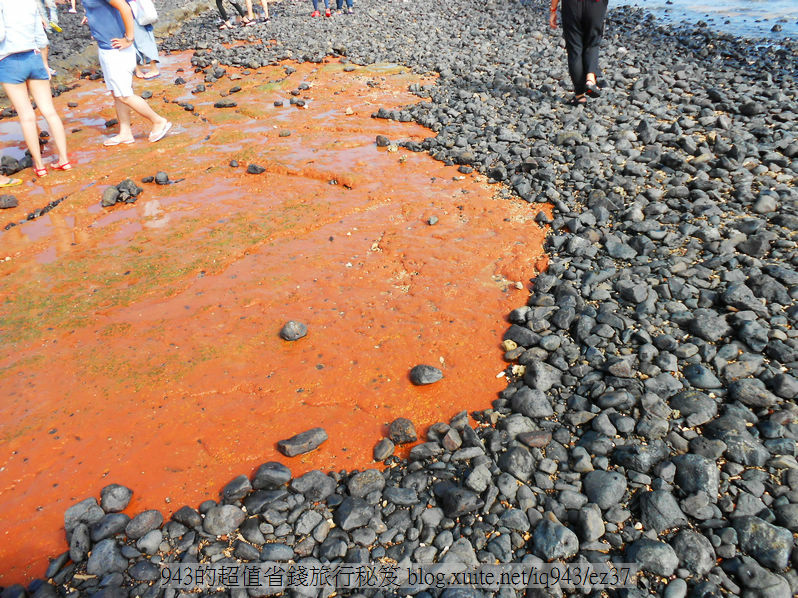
x,y
255,169
402,431
115,498
383,449
8,201
292,330
223,519
302,443
422,375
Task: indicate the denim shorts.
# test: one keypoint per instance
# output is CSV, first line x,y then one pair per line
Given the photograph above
x,y
19,67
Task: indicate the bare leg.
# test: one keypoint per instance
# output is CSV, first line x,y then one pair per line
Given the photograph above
x,y
40,90
142,108
265,5
250,14
18,95
123,115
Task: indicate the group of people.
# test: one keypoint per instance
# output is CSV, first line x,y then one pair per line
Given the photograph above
x,y
125,47
247,18
25,73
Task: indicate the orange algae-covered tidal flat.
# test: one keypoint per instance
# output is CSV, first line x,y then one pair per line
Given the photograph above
x,y
139,345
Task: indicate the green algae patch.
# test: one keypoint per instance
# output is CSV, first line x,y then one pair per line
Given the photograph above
x,y
68,295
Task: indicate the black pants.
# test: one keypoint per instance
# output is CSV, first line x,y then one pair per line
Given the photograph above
x,y
582,28
223,12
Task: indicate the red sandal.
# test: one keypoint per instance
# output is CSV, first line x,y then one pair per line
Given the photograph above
x,y
40,172
65,166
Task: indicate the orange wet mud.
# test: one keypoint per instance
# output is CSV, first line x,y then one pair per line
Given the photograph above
x,y
139,344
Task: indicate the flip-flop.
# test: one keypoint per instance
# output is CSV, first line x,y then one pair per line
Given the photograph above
x,y
574,101
160,134
11,183
65,166
148,76
112,141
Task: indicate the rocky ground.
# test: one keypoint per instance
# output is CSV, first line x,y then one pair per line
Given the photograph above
x,y
650,415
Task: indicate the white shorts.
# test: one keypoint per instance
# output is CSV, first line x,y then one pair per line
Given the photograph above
x,y
118,67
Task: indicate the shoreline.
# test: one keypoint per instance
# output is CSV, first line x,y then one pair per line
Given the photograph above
x,y
644,155
742,19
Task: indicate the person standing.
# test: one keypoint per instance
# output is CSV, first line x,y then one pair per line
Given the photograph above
x,y
339,5
146,47
582,28
112,27
24,72
316,12
251,14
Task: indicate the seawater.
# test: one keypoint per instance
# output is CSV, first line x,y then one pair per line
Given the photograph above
x,y
745,18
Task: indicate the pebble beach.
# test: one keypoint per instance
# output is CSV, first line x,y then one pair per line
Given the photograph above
x,y
650,413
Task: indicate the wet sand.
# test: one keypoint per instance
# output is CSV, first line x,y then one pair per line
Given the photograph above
x,y
139,343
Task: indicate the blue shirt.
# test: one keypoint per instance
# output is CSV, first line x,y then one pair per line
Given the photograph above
x,y
105,22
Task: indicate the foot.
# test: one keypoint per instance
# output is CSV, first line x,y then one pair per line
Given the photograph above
x,y
160,131
62,165
40,172
119,140
350,11
226,25
151,74
327,13
578,100
72,11
315,13
139,73
593,90
9,182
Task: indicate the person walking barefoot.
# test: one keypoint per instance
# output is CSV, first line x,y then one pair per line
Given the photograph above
x,y
583,28
24,73
112,27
